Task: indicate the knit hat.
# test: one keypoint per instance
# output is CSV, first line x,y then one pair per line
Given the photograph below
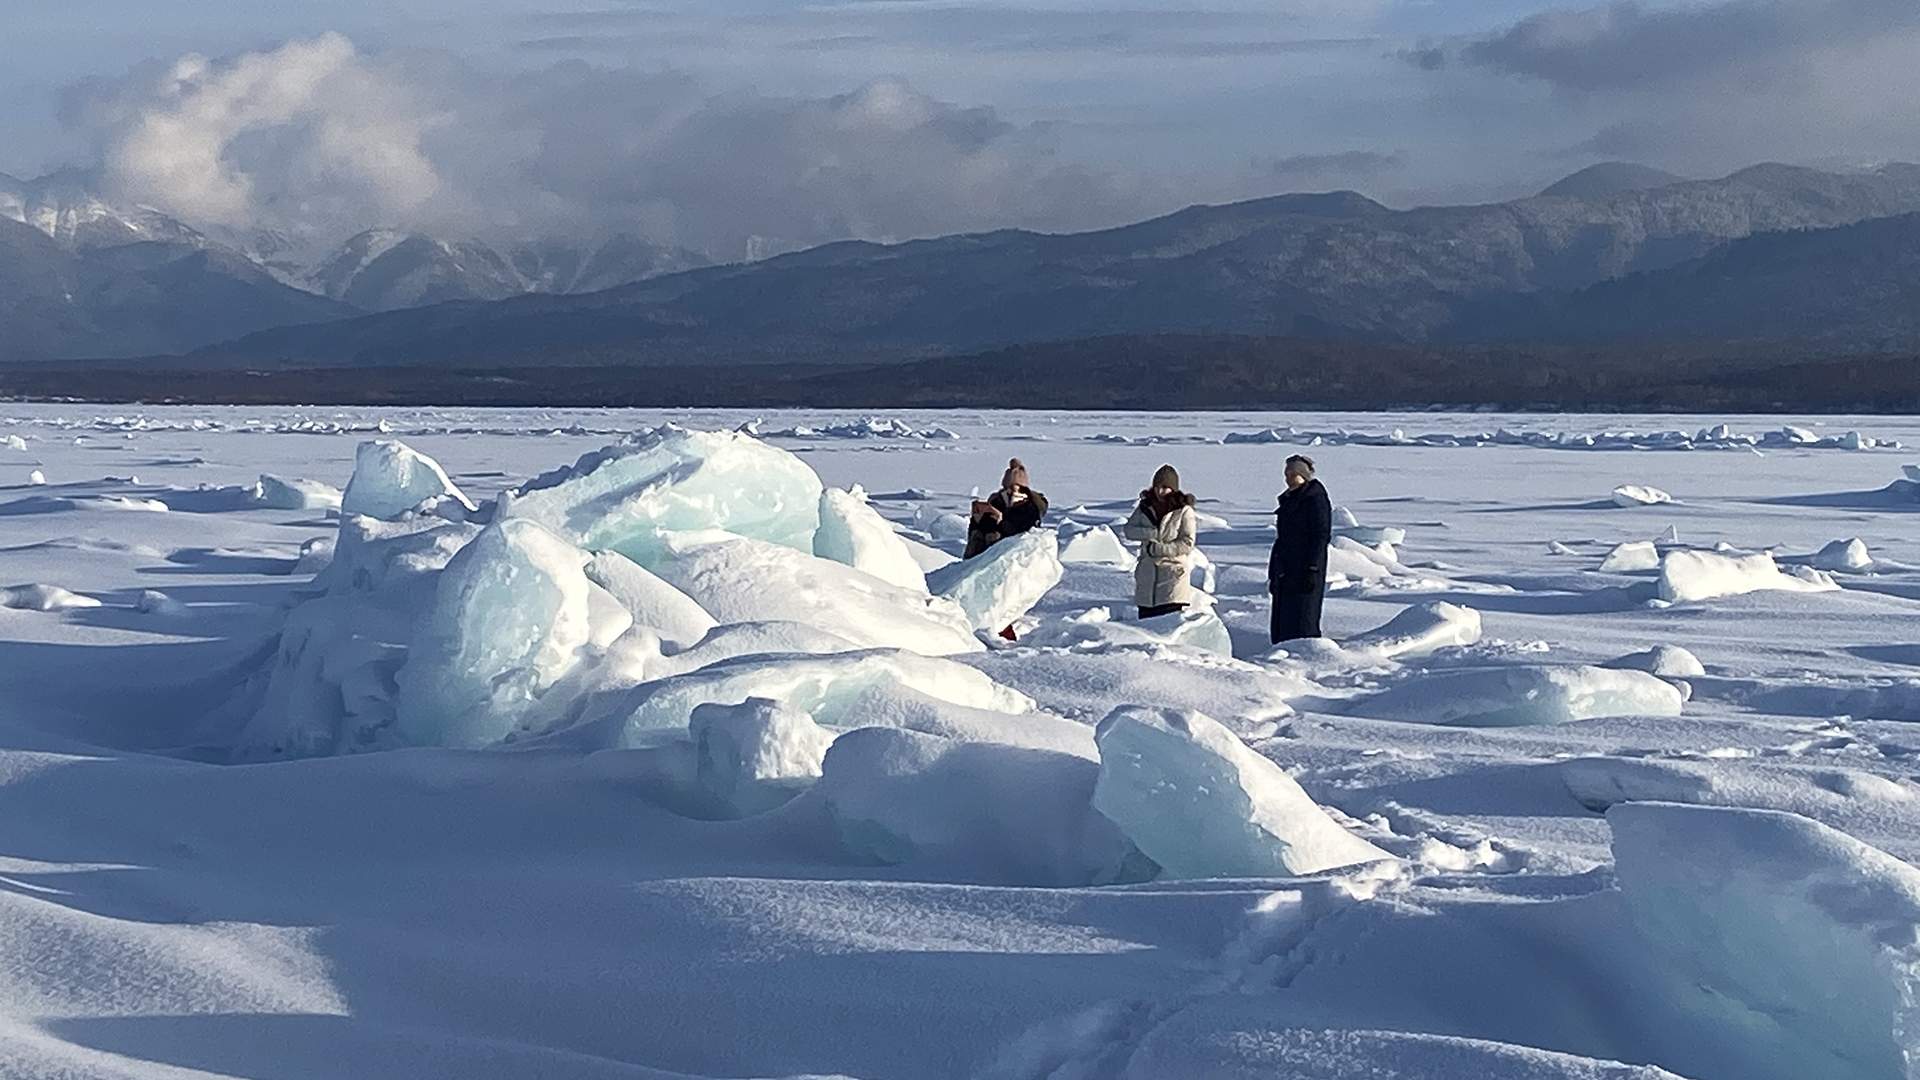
x,y
1015,476
1166,476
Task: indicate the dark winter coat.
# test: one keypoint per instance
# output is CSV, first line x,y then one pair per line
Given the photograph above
x,y
1297,570
1015,518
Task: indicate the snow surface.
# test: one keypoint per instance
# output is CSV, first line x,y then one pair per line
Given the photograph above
x,y
741,810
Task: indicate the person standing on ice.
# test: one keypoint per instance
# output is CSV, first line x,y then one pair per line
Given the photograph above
x,y
1165,526
1297,572
1010,511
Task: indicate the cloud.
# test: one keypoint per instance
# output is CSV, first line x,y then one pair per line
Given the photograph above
x,y
1347,167
1705,88
318,137
212,141
1627,45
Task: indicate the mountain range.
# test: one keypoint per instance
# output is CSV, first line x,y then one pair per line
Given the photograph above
x,y
1615,255
90,277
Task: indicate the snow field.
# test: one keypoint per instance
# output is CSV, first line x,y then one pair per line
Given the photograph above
x,y
748,802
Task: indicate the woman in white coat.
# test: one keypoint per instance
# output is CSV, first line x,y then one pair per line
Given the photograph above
x,y
1164,525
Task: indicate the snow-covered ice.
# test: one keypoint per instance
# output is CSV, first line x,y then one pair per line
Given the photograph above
x,y
1196,800
1517,695
756,755
295,493
1098,546
1706,575
1002,583
389,478
851,532
509,616
1630,556
1667,661
602,743
1796,932
1639,495
737,579
629,497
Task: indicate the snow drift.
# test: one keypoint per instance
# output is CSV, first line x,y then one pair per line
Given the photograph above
x,y
989,811
1706,575
1792,937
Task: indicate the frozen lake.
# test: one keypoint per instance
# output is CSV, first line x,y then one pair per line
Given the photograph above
x,y
198,876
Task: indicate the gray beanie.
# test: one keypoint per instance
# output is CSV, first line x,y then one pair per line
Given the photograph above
x,y
1166,476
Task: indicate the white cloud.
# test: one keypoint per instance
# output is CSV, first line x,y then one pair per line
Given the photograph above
x,y
309,124
318,136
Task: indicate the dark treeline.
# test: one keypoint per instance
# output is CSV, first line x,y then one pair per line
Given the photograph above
x,y
1146,372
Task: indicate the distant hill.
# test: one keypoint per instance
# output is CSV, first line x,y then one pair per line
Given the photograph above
x,y
1854,287
1611,178
1335,266
1640,257
1142,372
135,299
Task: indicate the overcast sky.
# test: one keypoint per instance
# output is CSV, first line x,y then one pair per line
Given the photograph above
x,y
726,123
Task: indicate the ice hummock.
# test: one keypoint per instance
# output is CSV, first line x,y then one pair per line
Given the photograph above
x,y
1707,575
509,616
391,478
1631,556
740,579
633,497
853,533
1003,582
1195,628
1848,554
979,810
757,755
838,689
294,493
42,597
1096,546
1521,695
652,603
1639,495
1796,943
1666,661
1418,631
1197,801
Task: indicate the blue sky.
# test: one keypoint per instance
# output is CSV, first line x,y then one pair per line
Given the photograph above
x,y
1145,106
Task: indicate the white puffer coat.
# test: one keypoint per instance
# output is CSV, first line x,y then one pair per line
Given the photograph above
x,y
1162,574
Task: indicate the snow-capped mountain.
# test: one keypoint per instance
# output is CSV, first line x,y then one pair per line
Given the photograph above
x,y
66,207
387,269
107,277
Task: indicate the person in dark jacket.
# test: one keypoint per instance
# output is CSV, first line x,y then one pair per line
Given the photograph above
x,y
1297,572
1010,511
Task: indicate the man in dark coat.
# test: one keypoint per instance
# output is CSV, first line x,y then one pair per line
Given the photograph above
x,y
1297,572
1013,509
